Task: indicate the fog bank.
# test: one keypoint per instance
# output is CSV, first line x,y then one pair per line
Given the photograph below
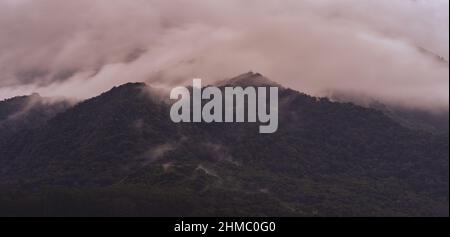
x,y
393,50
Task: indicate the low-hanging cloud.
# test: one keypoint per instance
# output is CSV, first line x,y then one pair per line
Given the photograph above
x,y
392,50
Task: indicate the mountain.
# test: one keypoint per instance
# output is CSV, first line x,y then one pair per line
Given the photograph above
x,y
27,112
413,118
119,154
417,119
248,79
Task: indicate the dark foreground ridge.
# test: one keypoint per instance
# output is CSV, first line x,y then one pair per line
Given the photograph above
x,y
119,154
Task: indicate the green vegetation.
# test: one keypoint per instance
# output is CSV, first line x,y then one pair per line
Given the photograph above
x,y
120,155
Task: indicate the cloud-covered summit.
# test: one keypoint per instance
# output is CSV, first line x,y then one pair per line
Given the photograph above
x,y
382,49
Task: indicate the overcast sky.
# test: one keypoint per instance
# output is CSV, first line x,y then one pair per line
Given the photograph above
x,y
392,50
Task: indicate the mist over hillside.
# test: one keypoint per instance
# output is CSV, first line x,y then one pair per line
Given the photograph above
x,y
119,154
363,108
393,51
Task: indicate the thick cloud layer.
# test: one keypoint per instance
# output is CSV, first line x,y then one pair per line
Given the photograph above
x,y
393,50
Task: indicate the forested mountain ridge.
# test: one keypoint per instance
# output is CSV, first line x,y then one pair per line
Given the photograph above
x,y
28,112
120,154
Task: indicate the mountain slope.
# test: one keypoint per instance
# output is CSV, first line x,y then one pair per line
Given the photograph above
x,y
414,118
27,112
120,154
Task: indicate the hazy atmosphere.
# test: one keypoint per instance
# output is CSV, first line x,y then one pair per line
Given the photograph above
x,y
350,117
392,50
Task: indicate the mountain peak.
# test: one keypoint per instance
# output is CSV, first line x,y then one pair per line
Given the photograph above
x,y
249,79
127,88
132,85
35,95
23,98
